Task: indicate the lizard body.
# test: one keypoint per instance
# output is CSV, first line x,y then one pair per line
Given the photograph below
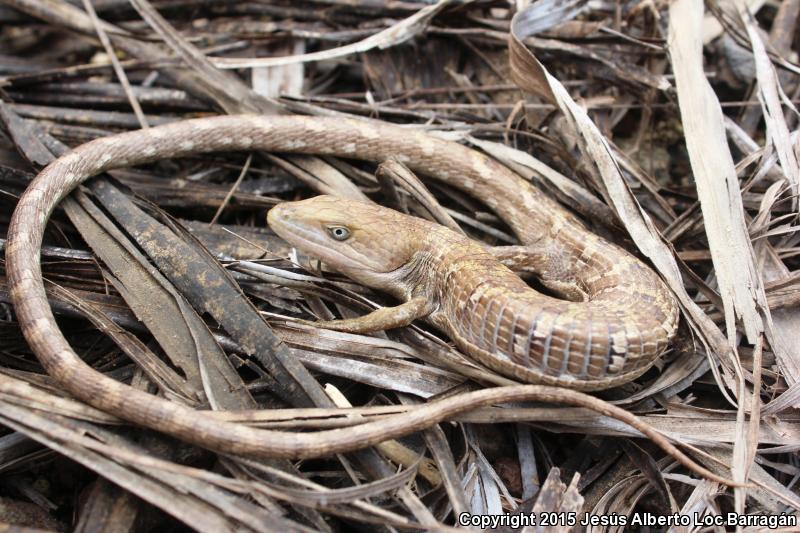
x,y
566,257
611,337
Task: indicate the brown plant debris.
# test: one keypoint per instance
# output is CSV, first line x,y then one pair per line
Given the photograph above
x,y
669,128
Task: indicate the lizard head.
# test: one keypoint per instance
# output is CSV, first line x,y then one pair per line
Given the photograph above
x,y
366,242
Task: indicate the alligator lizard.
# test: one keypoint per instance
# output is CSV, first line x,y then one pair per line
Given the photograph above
x,y
488,311
571,259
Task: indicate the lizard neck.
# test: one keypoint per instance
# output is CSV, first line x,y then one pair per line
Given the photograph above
x,y
425,273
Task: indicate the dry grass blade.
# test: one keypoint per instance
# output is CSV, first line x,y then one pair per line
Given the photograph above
x,y
144,289
217,79
667,131
394,35
772,100
396,173
169,381
206,284
720,199
557,497
531,75
715,176
533,169
70,442
137,108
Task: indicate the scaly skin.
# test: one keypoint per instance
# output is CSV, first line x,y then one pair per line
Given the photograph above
x,y
615,335
570,258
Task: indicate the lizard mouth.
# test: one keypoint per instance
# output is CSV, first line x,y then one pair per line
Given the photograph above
x,y
307,235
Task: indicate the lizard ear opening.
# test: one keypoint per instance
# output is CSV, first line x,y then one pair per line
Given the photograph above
x,y
339,233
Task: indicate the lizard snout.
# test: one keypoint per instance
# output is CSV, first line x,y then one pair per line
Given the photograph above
x,y
278,215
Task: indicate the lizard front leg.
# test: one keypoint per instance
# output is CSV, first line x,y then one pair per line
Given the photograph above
x,y
380,319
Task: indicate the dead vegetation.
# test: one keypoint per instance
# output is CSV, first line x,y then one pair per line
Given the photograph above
x,y
669,128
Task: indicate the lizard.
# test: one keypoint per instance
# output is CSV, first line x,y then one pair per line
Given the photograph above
x,y
548,231
611,336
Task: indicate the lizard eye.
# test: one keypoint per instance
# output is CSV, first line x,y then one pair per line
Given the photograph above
x,y
339,233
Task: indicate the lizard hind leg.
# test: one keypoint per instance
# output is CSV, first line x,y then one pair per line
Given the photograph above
x,y
545,265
